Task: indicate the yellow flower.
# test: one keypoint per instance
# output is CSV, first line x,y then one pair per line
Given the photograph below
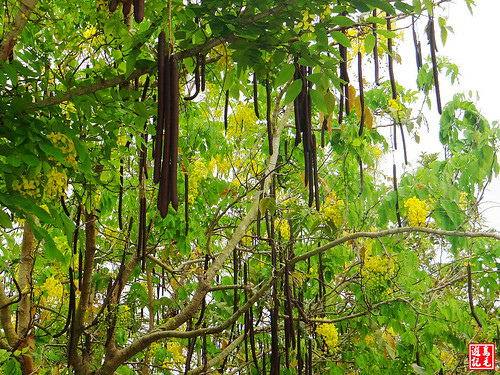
x,y
54,289
329,333
27,187
377,271
417,211
284,228
56,183
462,201
333,210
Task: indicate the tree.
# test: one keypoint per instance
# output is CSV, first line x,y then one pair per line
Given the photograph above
x,y
199,189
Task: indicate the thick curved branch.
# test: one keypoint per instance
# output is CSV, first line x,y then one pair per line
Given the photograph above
x,y
21,19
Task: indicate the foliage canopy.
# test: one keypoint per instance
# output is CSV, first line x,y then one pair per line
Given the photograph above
x,y
292,249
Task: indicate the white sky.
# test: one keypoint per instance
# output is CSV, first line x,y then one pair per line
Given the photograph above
x,y
474,48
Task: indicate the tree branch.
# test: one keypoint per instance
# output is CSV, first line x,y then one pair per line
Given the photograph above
x,y
21,19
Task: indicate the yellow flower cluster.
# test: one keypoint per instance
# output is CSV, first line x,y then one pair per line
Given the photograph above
x,y
463,200
243,118
395,107
417,211
329,333
333,210
198,173
225,56
54,289
284,228
56,183
307,19
377,271
219,165
27,187
176,350
66,145
124,316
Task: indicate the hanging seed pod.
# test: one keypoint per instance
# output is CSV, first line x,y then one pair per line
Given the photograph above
x,y
226,110
174,197
416,44
268,117
256,95
138,10
186,202
395,184
203,71
361,178
127,7
431,34
471,297
163,191
158,143
375,51
391,74
113,4
361,93
196,80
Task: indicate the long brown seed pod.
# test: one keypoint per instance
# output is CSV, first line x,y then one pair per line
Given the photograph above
x,y
361,178
174,153
161,108
361,93
315,173
163,192
395,184
297,105
431,34
375,51
77,226
138,10
226,110
186,202
120,197
391,74
113,4
471,300
203,71
416,44
268,116
72,303
127,7
196,80
394,89
255,95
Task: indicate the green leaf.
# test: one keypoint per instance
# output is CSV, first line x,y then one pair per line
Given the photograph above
x,y
267,203
342,21
318,100
341,38
5,220
380,21
369,43
444,29
429,6
31,160
383,5
387,33
419,370
417,6
293,91
329,103
285,74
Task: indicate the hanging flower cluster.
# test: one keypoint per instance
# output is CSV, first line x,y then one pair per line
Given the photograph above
x,y
417,211
329,333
